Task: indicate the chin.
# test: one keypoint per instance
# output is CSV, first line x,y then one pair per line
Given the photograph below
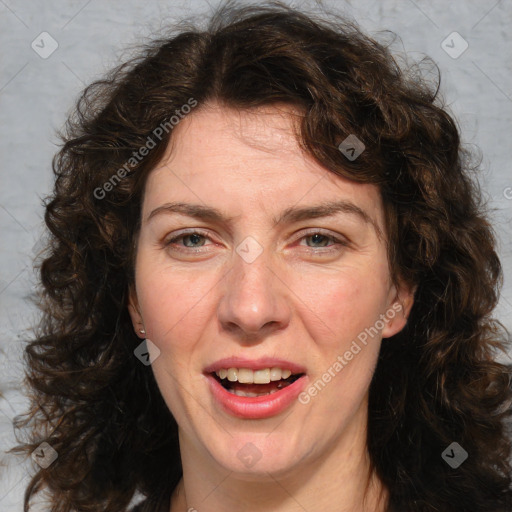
x,y
253,456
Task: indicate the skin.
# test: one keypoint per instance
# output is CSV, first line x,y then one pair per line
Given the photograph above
x,y
304,299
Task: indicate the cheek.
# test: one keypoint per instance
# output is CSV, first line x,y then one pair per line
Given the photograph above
x,y
344,303
172,300
176,312
348,306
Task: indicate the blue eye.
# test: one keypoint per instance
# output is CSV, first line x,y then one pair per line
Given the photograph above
x,y
318,235
195,241
194,238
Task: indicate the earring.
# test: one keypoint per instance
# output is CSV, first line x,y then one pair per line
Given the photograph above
x,y
142,331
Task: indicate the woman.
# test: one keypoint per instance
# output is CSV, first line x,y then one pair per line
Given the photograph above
x,y
269,286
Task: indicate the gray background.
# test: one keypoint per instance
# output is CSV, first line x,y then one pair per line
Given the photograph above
x,y
36,94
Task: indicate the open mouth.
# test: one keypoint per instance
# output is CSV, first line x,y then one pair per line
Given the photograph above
x,y
255,389
252,389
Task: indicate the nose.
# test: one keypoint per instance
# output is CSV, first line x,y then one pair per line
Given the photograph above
x,y
254,301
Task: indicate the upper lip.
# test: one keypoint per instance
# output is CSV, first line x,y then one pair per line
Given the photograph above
x,y
254,364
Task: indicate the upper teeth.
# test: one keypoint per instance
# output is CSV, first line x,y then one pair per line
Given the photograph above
x,y
248,376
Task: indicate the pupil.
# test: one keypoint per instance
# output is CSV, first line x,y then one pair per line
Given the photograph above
x,y
193,238
316,236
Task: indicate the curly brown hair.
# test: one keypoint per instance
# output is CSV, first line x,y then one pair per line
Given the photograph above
x,y
437,381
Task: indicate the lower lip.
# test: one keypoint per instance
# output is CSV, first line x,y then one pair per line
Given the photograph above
x,y
256,407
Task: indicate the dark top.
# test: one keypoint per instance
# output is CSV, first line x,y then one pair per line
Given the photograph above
x,y
151,506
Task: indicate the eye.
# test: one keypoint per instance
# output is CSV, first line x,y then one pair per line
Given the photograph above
x,y
320,240
191,240
195,241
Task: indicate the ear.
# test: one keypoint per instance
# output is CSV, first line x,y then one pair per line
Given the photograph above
x,y
399,309
135,315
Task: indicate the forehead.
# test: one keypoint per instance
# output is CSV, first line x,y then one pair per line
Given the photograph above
x,y
237,159
213,133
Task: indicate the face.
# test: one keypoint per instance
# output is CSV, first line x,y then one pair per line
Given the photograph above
x,y
241,264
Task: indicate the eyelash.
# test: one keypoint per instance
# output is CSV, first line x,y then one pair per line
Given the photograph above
x,y
337,241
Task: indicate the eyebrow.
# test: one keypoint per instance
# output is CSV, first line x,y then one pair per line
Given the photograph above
x,y
290,215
